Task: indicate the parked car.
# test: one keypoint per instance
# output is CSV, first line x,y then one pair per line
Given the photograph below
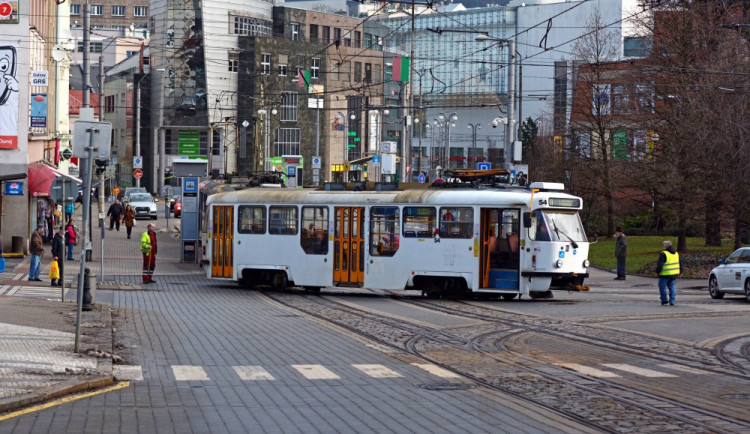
x,y
172,200
178,206
143,204
732,276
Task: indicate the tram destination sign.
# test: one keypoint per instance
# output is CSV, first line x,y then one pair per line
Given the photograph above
x,y
565,202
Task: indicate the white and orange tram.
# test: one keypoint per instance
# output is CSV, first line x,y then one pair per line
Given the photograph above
x,y
494,241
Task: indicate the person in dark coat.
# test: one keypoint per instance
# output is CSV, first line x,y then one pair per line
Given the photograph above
x,y
58,249
115,213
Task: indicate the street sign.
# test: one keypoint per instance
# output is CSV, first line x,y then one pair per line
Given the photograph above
x,y
316,162
137,162
137,173
421,178
66,153
101,140
484,166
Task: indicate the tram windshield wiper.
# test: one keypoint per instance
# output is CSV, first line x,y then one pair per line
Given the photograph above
x,y
558,232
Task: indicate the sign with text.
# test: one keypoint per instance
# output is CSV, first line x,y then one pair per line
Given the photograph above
x,y
38,110
14,188
40,78
189,142
8,12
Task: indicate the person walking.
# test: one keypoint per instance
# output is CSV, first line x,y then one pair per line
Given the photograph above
x,y
129,219
115,213
70,209
116,192
58,249
148,248
621,252
71,238
668,268
36,248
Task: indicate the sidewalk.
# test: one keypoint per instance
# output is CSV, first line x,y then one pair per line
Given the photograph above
x,y
37,329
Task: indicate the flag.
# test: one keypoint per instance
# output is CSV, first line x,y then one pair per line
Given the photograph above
x,y
400,68
303,78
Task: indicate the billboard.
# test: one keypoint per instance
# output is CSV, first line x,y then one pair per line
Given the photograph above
x,y
8,95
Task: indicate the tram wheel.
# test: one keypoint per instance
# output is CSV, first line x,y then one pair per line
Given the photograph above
x,y
280,281
509,296
541,295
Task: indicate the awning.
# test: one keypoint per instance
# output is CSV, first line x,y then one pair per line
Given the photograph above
x,y
12,177
41,178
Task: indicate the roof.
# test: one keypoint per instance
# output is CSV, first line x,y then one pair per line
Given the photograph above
x,y
75,99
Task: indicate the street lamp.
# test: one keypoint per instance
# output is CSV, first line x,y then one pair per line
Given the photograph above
x,y
474,128
448,119
267,132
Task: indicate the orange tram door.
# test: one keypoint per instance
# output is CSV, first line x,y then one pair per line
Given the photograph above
x,y
222,254
348,246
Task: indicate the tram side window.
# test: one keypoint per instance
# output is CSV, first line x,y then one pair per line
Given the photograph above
x,y
282,220
314,239
538,230
419,221
456,222
384,229
251,219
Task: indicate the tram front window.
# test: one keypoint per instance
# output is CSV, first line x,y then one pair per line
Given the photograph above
x,y
553,225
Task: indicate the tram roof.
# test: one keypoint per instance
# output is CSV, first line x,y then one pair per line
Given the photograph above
x,y
417,196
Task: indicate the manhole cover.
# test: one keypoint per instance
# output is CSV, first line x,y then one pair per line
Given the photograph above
x,y
447,386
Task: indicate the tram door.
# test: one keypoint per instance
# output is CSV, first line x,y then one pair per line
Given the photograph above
x,y
499,248
348,245
221,239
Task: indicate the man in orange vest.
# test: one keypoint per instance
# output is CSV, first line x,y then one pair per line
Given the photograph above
x,y
669,269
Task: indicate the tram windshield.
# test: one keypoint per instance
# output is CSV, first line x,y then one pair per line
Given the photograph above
x,y
554,225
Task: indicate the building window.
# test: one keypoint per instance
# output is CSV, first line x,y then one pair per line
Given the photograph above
x,y
97,10
333,71
282,220
314,239
265,64
140,11
287,141
313,33
315,68
620,99
337,35
283,60
251,27
234,63
357,39
131,53
251,219
118,11
295,31
384,230
109,104
75,9
326,35
94,47
357,72
289,107
368,72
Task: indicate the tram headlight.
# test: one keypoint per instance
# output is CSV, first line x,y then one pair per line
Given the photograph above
x,y
559,263
586,263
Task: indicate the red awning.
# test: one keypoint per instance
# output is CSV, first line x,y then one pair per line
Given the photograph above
x,y
41,178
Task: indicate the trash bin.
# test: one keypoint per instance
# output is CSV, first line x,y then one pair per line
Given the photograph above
x,y
16,244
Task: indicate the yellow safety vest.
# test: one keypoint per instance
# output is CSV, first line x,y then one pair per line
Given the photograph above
x,y
672,266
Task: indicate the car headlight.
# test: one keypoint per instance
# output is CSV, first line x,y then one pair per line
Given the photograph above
x,y
586,263
559,263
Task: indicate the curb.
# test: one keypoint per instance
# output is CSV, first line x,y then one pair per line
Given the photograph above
x,y
56,391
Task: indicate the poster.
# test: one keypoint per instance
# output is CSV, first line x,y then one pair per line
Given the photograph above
x,y
8,95
8,11
38,110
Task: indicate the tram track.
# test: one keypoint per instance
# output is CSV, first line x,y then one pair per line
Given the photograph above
x,y
480,354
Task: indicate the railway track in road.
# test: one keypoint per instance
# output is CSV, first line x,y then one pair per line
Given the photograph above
x,y
483,354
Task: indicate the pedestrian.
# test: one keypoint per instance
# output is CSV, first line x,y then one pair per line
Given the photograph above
x,y
621,252
115,213
58,249
36,248
148,248
668,268
71,238
69,210
116,192
129,219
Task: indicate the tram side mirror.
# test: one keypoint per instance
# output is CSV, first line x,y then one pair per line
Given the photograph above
x,y
526,220
596,239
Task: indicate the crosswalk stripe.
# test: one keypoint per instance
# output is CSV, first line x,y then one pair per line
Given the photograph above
x,y
248,373
683,368
638,371
127,372
378,371
189,373
316,372
436,370
588,370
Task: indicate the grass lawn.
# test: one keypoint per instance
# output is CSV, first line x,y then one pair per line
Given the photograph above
x,y
643,252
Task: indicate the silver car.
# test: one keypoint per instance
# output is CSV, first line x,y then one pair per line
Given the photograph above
x,y
732,276
143,204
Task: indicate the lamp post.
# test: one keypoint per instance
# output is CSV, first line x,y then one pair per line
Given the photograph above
x,y
448,119
265,114
511,93
474,128
430,148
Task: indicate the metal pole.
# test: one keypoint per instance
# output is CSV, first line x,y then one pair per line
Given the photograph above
x,y
317,132
61,260
267,156
138,126
509,127
86,218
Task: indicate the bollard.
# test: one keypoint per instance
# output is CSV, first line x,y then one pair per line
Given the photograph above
x,y
89,286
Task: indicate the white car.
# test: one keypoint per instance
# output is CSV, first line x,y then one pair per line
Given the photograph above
x,y
143,204
732,276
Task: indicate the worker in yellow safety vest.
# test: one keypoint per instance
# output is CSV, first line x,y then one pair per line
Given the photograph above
x,y
669,269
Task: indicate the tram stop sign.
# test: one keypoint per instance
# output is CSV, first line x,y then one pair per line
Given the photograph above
x,y
137,173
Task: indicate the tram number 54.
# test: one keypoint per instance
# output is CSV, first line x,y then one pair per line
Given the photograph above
x,y
542,201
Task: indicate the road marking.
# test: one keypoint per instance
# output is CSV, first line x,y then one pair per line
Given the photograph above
x,y
638,371
687,369
315,372
436,370
127,372
189,373
378,371
249,373
64,400
587,370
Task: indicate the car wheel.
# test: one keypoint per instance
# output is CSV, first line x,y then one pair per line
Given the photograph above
x,y
713,288
747,290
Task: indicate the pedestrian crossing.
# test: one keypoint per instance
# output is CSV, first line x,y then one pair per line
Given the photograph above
x,y
316,372
32,289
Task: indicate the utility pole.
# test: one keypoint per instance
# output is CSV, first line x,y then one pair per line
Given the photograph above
x,y
410,115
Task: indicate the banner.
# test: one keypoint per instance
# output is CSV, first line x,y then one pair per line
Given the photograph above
x,y
8,95
38,110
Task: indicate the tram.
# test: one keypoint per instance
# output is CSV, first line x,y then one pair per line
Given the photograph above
x,y
493,242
